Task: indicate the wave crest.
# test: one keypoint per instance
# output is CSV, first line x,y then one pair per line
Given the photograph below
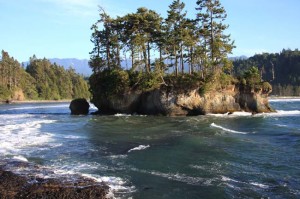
x,y
139,148
226,129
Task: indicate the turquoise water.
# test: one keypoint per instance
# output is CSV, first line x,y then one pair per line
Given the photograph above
x,y
215,156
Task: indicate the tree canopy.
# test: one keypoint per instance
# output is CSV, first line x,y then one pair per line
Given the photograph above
x,y
281,69
41,80
175,44
142,51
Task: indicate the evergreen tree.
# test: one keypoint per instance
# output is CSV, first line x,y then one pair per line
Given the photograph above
x,y
105,53
281,69
175,24
216,45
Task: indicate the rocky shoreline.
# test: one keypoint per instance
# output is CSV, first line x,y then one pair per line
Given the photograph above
x,y
19,179
170,101
32,101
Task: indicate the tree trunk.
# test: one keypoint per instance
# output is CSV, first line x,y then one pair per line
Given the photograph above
x,y
160,58
145,58
176,61
118,56
132,58
149,60
181,59
212,43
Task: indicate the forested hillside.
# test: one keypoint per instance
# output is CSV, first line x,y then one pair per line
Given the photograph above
x,y
282,70
40,80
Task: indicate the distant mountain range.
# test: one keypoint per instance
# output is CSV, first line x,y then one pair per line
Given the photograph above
x,y
81,66
243,57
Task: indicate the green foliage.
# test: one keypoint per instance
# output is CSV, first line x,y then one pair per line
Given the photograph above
x,y
216,44
28,86
197,43
178,40
252,76
109,83
266,87
184,81
252,79
282,70
5,93
79,85
54,82
150,81
217,82
41,80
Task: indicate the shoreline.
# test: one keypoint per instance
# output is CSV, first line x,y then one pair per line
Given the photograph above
x,y
29,182
34,101
283,97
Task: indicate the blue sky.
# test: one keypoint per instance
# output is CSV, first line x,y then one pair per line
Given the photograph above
x,y
61,28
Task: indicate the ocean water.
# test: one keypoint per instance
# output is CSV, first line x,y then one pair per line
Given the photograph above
x,y
215,156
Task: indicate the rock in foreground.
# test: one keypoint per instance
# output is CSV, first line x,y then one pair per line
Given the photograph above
x,y
79,106
31,185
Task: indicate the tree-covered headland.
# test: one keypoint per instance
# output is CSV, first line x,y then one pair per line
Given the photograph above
x,y
142,51
40,80
282,70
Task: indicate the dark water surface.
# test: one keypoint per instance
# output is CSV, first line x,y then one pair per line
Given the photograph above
x,y
215,156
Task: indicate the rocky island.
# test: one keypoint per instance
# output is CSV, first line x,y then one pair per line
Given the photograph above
x,y
177,66
186,96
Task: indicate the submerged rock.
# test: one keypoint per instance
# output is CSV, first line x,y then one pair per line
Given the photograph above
x,y
79,106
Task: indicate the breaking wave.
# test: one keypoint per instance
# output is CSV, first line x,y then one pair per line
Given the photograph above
x,y
284,100
139,148
23,135
226,129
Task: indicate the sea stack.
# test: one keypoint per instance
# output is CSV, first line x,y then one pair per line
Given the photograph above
x,y
79,106
175,102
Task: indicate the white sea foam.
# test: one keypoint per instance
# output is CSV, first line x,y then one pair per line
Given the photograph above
x,y
287,99
241,113
198,167
256,184
113,157
139,148
21,133
279,113
21,158
227,179
234,114
226,129
117,185
128,115
180,177
73,137
122,115
281,125
259,185
40,107
93,107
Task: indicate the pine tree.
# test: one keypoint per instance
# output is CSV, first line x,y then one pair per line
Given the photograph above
x,y
216,45
175,23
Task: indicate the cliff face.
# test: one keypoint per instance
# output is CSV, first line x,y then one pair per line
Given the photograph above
x,y
172,102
